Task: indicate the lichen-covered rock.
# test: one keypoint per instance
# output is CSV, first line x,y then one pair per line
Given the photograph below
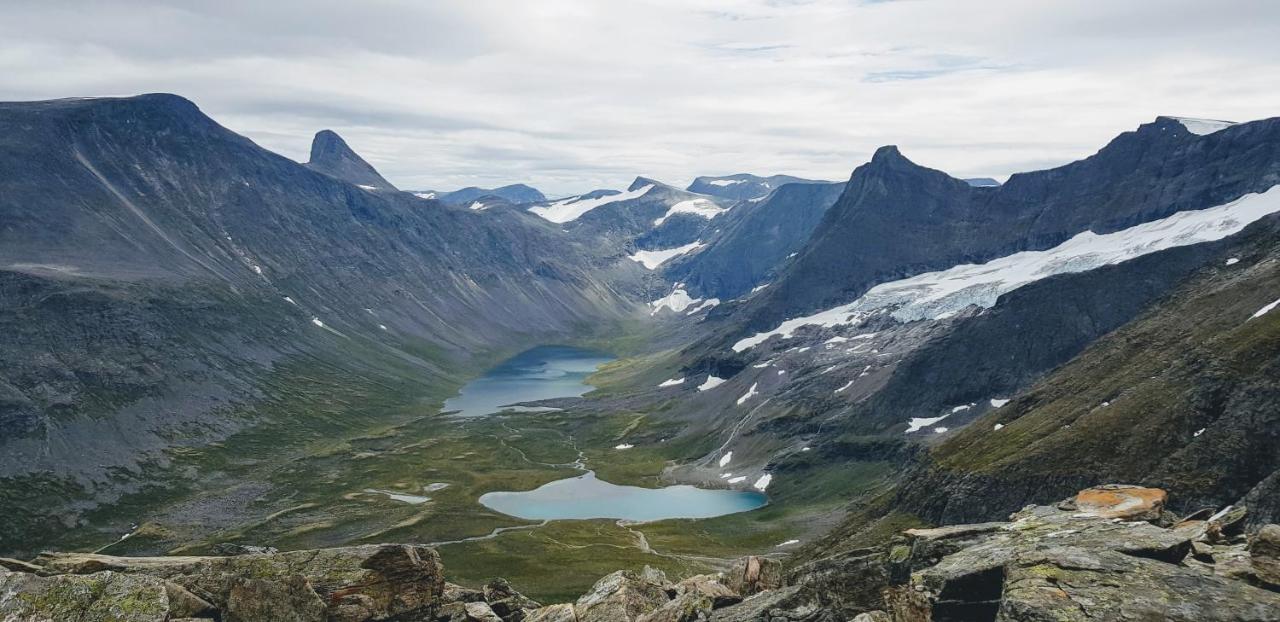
x,y
695,599
622,596
1068,584
1264,554
752,574
99,597
873,616
454,593
352,583
288,599
552,613
1122,501
711,587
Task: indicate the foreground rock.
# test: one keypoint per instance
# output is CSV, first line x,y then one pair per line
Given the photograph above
x,y
1085,559
344,584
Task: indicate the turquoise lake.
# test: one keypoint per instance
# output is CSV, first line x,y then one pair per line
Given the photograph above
x,y
548,372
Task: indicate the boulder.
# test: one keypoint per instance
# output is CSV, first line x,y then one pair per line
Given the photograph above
x,y
710,587
695,599
753,574
1122,501
505,601
873,616
285,599
552,613
622,596
454,593
1264,555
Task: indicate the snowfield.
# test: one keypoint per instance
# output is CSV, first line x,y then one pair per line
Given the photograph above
x,y
936,295
653,259
572,208
711,383
1203,127
697,207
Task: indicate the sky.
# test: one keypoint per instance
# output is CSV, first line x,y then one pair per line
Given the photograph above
x,y
572,95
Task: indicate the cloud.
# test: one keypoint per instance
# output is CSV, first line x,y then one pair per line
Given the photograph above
x,y
575,94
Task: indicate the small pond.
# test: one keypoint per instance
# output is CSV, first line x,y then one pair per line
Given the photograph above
x,y
585,496
541,373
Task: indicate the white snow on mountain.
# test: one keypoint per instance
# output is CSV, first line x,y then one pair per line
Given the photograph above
x,y
997,403
1202,127
706,304
726,459
697,207
671,383
1265,310
425,195
935,295
653,259
711,383
763,482
678,300
726,182
919,423
749,394
572,208
476,205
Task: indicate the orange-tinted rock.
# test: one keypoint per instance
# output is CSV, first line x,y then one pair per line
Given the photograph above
x,y
1120,501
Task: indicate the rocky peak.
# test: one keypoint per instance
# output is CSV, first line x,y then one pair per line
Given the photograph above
x,y
331,155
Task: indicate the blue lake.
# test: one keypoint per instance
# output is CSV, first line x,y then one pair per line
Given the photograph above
x,y
541,373
560,371
586,497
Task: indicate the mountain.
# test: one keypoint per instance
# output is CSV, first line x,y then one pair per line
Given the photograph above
x,y
982,182
897,218
755,241
167,283
743,186
1182,397
515,194
331,155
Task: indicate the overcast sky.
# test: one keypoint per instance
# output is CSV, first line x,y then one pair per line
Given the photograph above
x,y
571,95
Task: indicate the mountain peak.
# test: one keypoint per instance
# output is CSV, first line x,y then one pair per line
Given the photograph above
x,y
331,155
641,182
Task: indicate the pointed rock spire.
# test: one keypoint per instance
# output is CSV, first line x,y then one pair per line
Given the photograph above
x,y
331,155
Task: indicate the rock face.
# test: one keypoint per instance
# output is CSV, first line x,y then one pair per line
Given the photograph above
x,y
1264,554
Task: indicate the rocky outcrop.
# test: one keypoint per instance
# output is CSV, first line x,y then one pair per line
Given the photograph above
x,y
1082,559
344,584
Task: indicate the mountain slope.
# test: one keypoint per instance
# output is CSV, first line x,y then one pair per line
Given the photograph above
x,y
1183,397
743,186
167,283
515,193
755,240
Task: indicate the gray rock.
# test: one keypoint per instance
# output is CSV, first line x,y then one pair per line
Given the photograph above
x,y
752,574
552,613
98,597
1264,554
621,596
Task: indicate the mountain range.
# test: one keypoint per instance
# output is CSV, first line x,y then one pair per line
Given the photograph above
x,y
189,318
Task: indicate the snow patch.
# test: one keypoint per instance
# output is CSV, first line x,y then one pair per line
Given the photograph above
x,y
787,543
845,387
697,207
706,304
959,409
653,259
763,482
317,322
919,423
726,459
1198,432
1233,261
369,188
624,446
711,383
936,294
1265,310
726,182
671,383
1203,127
734,480
678,300
997,403
940,430
998,427
425,195
572,208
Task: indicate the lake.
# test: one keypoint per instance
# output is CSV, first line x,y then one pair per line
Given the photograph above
x,y
549,372
585,497
541,373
